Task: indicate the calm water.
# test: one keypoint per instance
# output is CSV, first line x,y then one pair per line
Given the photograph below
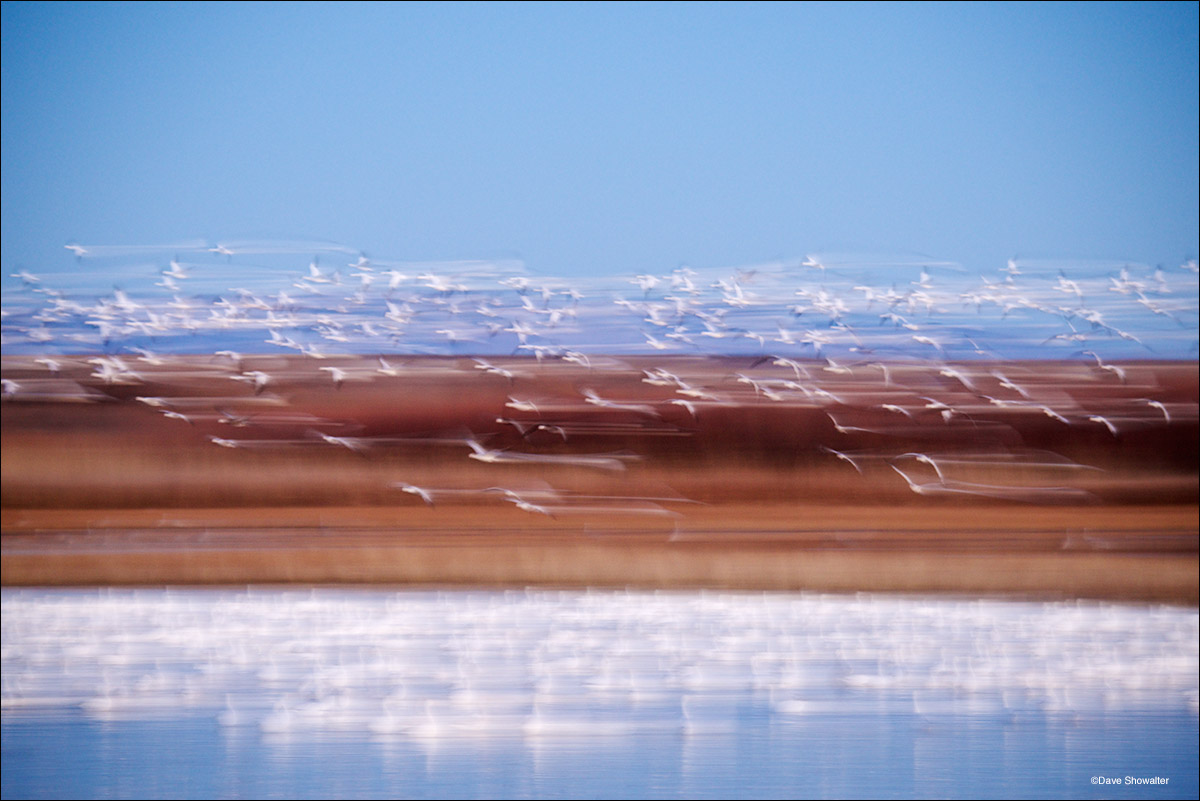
x,y
370,693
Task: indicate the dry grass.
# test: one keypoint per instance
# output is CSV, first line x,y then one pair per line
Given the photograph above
x,y
116,492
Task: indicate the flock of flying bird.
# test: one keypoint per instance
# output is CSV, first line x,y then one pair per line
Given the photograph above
x,y
842,308
548,663
903,349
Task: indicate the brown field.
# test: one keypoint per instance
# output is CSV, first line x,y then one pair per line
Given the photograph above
x,y
99,487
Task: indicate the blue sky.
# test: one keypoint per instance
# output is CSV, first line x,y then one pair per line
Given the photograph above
x,y
593,139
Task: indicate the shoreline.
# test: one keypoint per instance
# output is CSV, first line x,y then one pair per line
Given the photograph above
x,y
1144,554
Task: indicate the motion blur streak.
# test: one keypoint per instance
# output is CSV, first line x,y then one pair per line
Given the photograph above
x,y
777,409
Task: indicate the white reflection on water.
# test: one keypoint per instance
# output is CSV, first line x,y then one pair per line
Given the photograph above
x,y
529,681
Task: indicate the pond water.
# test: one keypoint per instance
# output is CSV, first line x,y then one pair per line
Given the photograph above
x,y
368,693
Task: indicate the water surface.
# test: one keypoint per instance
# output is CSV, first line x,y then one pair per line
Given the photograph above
x,y
373,693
